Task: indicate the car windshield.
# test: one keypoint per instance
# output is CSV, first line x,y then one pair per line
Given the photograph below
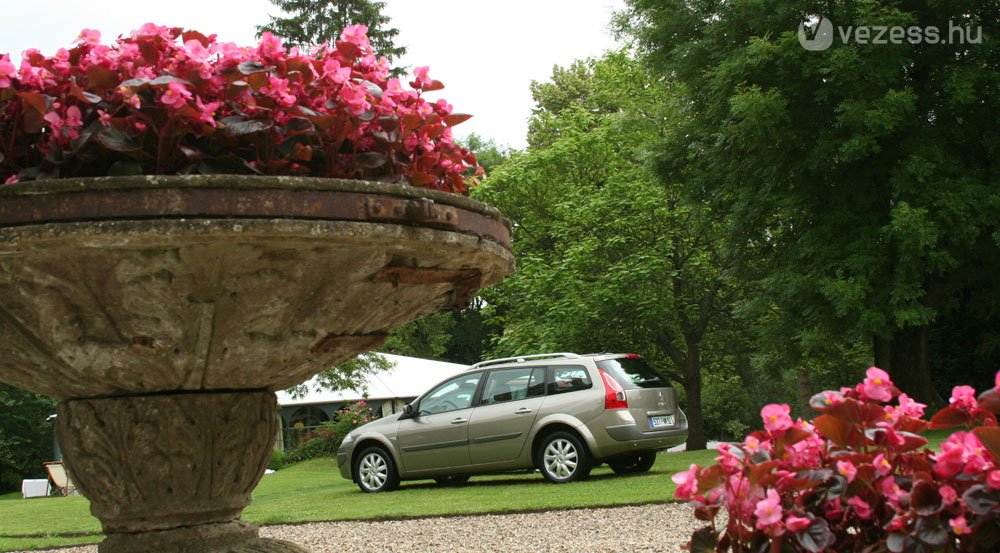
x,y
633,372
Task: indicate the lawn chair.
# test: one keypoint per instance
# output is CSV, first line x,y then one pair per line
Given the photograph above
x,y
62,484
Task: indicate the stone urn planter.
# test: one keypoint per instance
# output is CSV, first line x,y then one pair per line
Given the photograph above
x,y
164,311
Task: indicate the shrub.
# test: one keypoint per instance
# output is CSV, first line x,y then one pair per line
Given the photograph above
x,y
163,100
858,478
326,439
277,461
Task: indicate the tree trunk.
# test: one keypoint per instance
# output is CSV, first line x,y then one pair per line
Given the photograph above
x,y
904,356
696,423
805,393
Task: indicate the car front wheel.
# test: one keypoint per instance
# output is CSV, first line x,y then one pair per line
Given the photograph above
x,y
563,458
375,471
633,464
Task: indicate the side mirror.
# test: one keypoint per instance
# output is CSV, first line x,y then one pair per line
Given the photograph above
x,y
408,411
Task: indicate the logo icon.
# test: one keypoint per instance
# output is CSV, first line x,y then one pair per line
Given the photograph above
x,y
816,35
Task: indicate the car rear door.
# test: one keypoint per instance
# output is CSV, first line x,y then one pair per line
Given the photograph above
x,y
507,409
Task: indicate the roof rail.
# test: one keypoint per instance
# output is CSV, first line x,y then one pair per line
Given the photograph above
x,y
523,358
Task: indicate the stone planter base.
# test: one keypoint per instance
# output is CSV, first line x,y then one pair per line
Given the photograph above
x,y
172,472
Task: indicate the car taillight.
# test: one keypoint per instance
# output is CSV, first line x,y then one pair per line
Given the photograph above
x,y
614,396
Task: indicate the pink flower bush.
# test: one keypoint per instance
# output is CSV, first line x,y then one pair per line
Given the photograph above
x,y
162,100
857,478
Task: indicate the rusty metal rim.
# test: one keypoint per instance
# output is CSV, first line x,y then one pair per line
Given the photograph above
x,y
78,204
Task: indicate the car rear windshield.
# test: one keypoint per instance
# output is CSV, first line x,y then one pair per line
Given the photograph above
x,y
633,372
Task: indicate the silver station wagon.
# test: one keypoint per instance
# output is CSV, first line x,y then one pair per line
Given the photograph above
x,y
560,413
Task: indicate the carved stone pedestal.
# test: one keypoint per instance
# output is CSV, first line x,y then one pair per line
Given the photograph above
x,y
172,472
144,302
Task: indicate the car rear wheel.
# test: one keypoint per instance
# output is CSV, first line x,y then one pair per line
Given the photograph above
x,y
375,471
452,479
633,464
563,458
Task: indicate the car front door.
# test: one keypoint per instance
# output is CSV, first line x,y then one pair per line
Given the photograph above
x,y
501,423
437,436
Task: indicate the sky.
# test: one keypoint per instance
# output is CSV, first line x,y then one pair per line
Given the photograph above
x,y
486,52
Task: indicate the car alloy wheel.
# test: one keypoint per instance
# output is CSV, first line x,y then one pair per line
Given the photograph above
x,y
563,458
376,471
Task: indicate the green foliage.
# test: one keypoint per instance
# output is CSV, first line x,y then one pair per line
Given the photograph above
x,y
865,171
25,436
277,461
325,440
311,22
609,257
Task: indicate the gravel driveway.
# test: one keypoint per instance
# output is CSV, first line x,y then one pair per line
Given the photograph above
x,y
619,529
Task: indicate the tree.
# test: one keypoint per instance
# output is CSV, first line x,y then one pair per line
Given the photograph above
x,y
312,22
609,258
866,170
25,436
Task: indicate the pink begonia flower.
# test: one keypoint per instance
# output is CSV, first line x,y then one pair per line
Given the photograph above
x,y
964,398
751,445
961,452
993,479
797,524
355,97
73,117
860,508
847,470
207,111
89,36
768,511
175,96
139,126
104,117
897,524
54,120
422,75
877,385
996,380
832,399
356,34
335,73
891,490
687,483
197,51
7,71
882,465
726,459
270,45
959,525
948,495
909,407
776,417
11,179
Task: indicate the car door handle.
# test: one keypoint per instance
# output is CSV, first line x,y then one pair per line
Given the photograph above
x,y
523,411
459,420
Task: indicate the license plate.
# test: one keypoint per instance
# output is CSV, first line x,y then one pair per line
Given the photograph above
x,y
656,422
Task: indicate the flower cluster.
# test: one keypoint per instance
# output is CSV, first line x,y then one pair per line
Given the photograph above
x,y
167,101
857,478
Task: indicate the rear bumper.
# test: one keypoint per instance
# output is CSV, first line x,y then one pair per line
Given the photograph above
x,y
627,438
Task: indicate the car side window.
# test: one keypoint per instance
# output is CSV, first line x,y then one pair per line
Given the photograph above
x,y
506,385
568,378
451,395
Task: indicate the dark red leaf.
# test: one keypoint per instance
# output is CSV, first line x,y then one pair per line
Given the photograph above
x,y
980,500
114,139
85,97
195,35
434,85
704,540
456,119
35,100
990,400
925,498
371,160
949,417
835,429
990,437
817,537
709,477
101,78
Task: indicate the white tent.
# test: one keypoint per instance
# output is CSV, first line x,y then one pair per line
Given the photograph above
x,y
407,378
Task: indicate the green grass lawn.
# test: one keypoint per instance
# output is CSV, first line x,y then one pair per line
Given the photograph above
x,y
314,491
